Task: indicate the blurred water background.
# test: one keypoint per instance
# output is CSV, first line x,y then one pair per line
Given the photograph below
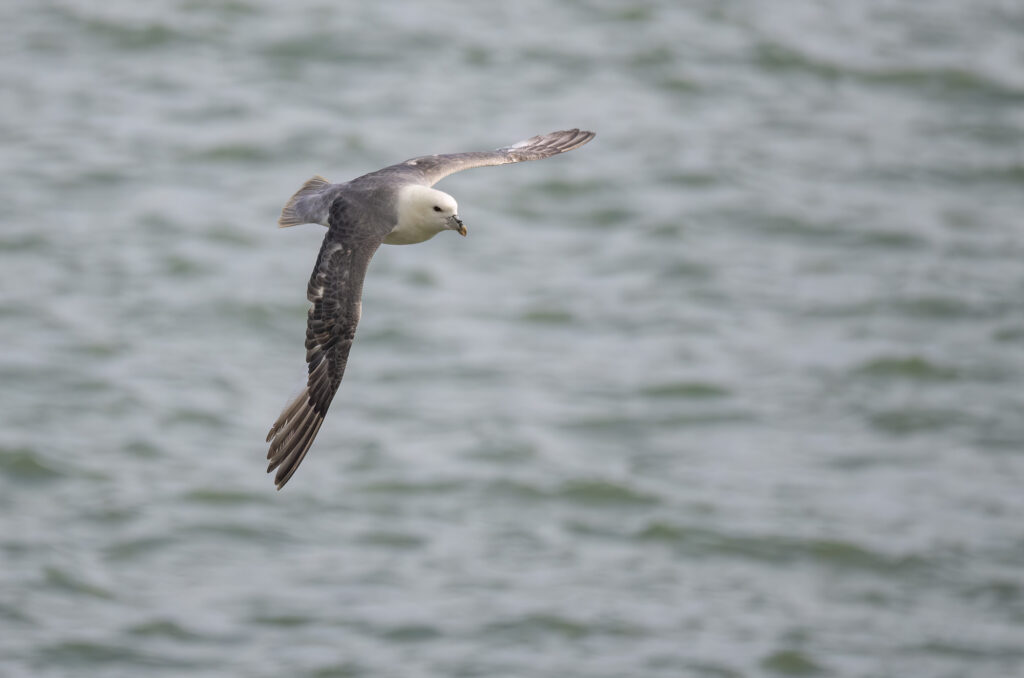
x,y
734,390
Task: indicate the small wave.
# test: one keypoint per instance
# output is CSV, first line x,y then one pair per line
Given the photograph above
x,y
906,421
394,540
411,633
911,367
589,492
326,47
129,549
841,554
24,242
192,416
686,389
547,624
1001,591
953,648
26,466
773,56
514,489
66,581
941,307
234,153
219,497
283,620
791,663
127,37
1013,334
82,654
407,488
603,493
548,316
164,628
561,188
15,615
255,533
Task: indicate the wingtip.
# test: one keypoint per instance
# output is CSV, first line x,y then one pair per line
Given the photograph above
x,y
556,142
577,137
292,436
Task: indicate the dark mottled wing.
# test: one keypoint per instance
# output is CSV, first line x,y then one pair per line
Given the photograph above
x,y
335,289
433,168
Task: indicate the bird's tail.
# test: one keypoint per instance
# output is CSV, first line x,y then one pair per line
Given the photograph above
x,y
301,210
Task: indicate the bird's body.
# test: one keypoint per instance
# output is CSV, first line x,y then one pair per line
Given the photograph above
x,y
396,206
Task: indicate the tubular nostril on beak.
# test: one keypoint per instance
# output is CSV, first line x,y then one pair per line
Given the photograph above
x,y
455,224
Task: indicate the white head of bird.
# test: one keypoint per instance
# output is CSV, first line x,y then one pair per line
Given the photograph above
x,y
423,213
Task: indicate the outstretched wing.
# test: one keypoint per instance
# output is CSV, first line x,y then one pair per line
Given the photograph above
x,y
335,289
433,168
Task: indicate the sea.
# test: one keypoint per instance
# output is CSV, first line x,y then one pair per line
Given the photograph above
x,y
734,390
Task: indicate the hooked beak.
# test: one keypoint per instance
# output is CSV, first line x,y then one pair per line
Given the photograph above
x,y
455,224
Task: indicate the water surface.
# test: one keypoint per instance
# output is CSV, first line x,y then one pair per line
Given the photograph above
x,y
734,390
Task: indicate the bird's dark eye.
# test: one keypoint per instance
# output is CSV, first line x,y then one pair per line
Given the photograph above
x,y
437,208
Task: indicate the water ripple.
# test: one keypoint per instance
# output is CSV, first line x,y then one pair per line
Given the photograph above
x,y
731,391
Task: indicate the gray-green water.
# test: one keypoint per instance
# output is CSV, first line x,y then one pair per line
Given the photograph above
x,y
734,390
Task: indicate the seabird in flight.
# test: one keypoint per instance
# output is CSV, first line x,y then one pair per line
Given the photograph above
x,y
395,205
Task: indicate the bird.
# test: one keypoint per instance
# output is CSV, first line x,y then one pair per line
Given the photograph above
x,y
395,205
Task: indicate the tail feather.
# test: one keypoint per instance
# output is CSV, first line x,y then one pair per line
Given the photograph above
x,y
293,213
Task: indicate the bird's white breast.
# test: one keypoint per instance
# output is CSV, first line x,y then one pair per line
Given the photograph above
x,y
408,234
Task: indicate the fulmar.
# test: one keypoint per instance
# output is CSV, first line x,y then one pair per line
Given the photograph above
x,y
397,206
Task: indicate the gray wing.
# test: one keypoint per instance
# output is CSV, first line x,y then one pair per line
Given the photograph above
x,y
433,168
335,289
